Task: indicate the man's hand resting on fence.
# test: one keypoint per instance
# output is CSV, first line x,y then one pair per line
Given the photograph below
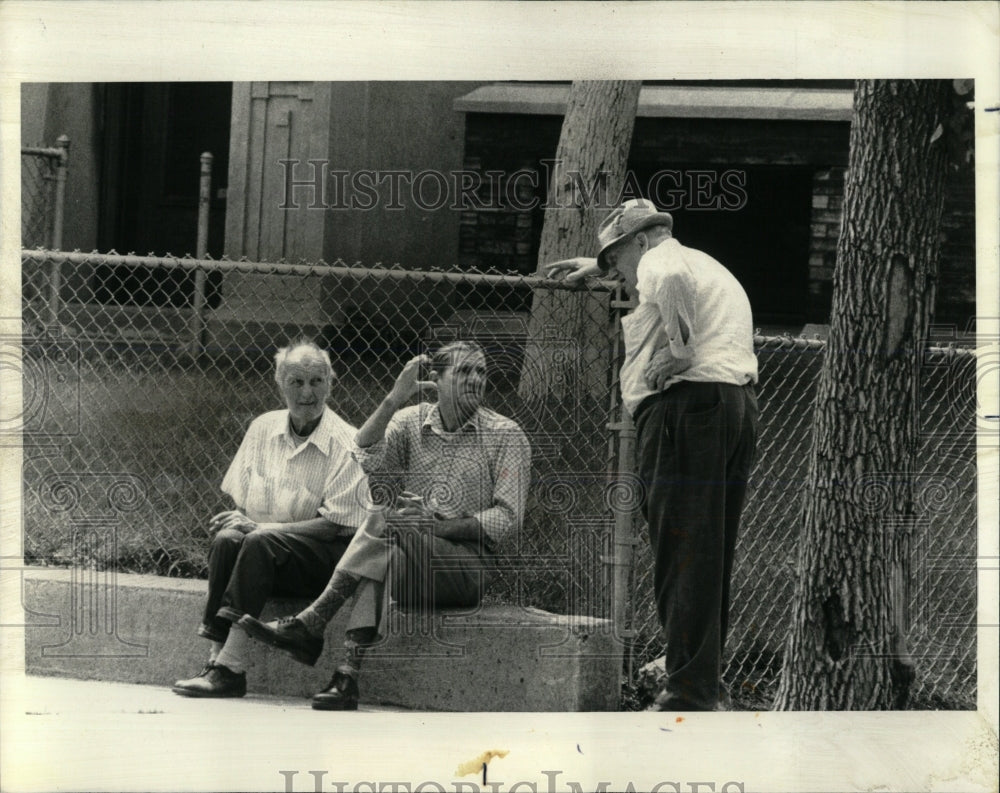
x,y
576,269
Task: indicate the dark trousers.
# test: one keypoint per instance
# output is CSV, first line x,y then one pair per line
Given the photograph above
x,y
244,570
695,448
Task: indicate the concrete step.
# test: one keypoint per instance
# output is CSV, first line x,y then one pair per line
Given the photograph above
x,y
140,629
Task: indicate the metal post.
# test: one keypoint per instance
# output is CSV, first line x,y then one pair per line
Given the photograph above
x,y
625,528
624,523
201,248
55,285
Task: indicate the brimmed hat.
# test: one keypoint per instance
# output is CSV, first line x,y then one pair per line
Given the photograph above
x,y
630,217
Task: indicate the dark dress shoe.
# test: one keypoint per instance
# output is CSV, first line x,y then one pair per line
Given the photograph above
x,y
671,703
215,680
288,634
725,700
340,694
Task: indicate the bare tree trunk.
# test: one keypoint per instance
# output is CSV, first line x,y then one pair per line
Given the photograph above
x,y
847,645
567,351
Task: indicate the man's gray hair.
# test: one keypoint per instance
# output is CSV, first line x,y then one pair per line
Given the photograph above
x,y
281,357
446,356
660,232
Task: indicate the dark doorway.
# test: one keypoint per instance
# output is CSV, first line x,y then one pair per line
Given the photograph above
x,y
753,217
154,135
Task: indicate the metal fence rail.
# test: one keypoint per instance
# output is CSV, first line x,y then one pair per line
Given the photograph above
x,y
135,401
43,184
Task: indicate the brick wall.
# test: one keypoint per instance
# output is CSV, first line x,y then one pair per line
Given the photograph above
x,y
507,239
502,235
956,289
955,300
827,207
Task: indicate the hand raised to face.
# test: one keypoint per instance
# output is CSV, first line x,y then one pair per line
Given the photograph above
x,y
408,382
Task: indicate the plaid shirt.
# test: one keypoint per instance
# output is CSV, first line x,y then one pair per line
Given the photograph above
x,y
481,470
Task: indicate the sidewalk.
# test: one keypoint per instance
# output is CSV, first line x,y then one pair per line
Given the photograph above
x,y
67,735
63,734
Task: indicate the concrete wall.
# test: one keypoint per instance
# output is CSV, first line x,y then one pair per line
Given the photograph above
x,y
34,99
353,128
140,629
377,127
407,126
54,109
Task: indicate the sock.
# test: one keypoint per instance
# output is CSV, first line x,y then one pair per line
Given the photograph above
x,y
358,641
213,653
318,613
234,652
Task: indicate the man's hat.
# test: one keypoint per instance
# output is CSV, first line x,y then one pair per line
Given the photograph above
x,y
632,216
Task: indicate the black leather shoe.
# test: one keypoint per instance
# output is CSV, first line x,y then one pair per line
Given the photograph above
x,y
215,680
340,694
725,700
288,634
670,703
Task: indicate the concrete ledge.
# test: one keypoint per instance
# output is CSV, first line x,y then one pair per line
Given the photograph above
x,y
140,629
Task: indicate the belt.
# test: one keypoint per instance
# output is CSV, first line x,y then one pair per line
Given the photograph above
x,y
647,402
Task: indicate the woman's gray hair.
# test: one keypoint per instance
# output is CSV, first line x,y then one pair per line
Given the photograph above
x,y
281,357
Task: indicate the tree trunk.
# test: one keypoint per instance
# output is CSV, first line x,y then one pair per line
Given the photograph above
x,y
567,352
847,645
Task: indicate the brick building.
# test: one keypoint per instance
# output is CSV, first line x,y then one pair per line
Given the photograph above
x,y
753,175
752,172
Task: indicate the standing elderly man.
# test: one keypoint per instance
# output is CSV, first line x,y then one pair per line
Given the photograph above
x,y
461,473
687,380
299,497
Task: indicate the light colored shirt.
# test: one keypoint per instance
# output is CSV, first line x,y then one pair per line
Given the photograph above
x,y
275,478
481,470
695,306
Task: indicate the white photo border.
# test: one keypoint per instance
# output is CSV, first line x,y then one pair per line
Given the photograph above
x,y
236,41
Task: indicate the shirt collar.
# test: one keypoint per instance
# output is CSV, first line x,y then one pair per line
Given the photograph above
x,y
321,437
432,422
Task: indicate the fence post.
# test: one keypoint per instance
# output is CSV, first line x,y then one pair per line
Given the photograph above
x,y
624,529
201,249
625,537
55,273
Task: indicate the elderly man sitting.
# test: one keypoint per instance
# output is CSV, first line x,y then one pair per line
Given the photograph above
x,y
299,497
460,473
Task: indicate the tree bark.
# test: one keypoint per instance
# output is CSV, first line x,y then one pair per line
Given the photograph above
x,y
567,351
847,646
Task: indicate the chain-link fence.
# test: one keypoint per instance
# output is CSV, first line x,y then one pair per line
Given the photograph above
x,y
134,404
942,615
43,173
